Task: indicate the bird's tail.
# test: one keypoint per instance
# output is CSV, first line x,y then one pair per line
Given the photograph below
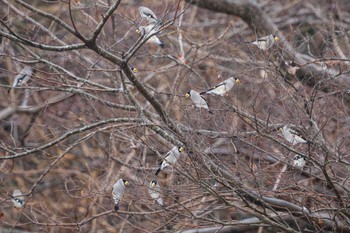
x,y
116,207
161,44
157,172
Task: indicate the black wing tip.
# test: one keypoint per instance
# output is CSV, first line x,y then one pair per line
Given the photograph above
x,y
116,207
162,45
157,172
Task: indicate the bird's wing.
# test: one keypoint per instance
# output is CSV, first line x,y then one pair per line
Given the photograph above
x,y
295,132
213,88
262,39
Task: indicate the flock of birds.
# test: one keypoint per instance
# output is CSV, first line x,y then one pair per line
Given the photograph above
x,y
170,158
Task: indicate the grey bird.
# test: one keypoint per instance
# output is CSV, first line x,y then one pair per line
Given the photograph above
x,y
170,158
291,67
266,42
154,191
22,78
118,191
148,14
149,30
299,161
223,87
197,99
291,135
18,199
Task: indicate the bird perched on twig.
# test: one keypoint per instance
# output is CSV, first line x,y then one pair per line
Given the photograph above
x,y
223,87
22,78
291,135
118,191
170,158
148,14
291,67
18,199
154,191
149,30
197,99
299,161
266,42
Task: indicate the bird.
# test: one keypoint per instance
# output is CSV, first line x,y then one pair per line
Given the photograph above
x,y
266,42
170,158
148,14
291,67
18,199
150,30
197,99
22,78
118,191
291,135
299,161
154,191
223,87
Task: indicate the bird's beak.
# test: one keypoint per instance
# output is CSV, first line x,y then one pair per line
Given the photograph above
x,y
187,95
238,81
153,185
280,129
181,149
126,183
135,70
276,38
138,31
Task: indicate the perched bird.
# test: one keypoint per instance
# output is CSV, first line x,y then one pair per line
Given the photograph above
x,y
18,199
149,30
299,161
154,191
291,135
291,67
223,87
170,158
22,78
266,42
118,191
197,99
148,14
